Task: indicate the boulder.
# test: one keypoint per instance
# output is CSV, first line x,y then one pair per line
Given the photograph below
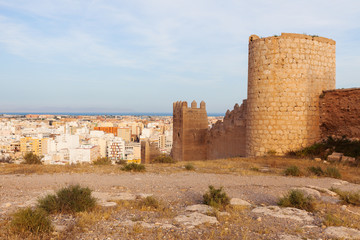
x,y
286,213
342,233
195,218
201,208
239,202
309,192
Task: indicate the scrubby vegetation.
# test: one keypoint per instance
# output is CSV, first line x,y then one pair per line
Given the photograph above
x,y
31,158
216,197
163,158
328,146
68,200
28,220
292,171
102,161
316,171
348,197
149,202
189,167
332,172
133,167
297,199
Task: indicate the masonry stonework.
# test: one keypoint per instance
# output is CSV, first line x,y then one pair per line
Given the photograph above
x,y
340,113
291,104
190,127
286,75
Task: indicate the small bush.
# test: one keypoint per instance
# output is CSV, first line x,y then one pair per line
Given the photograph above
x,y
31,158
149,202
216,197
292,171
29,220
332,172
296,199
348,197
316,171
133,167
68,200
271,152
163,158
189,167
121,162
102,161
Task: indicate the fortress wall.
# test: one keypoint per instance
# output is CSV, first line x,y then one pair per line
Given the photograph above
x,y
227,138
190,126
286,75
340,113
149,151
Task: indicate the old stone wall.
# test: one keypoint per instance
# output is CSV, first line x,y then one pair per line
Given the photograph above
x,y
149,151
227,138
340,113
190,126
286,75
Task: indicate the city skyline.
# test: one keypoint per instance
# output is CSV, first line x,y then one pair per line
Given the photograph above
x,y
140,56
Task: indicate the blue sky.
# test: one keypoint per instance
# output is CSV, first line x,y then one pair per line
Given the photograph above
x,y
142,55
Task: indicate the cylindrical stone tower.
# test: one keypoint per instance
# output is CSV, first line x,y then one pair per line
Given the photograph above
x,y
286,77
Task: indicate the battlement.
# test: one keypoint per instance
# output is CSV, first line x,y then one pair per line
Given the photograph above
x,y
177,106
189,125
255,38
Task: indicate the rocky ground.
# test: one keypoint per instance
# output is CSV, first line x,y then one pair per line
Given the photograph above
x,y
252,215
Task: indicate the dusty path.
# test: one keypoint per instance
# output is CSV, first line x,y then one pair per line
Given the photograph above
x,y
180,187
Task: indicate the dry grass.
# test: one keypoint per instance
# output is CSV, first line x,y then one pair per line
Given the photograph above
x,y
86,219
237,166
332,215
149,204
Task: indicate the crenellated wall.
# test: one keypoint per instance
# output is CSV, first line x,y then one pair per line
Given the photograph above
x,y
190,126
227,138
291,104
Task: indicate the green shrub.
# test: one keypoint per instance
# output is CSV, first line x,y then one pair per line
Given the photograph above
x,y
189,167
316,171
163,158
292,171
31,158
29,220
348,197
102,161
68,200
332,172
133,167
296,199
326,147
216,197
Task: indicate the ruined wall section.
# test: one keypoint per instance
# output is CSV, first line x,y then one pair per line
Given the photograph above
x,y
149,151
286,75
340,113
227,138
190,126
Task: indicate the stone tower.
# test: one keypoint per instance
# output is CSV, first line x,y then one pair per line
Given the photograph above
x,y
190,127
286,76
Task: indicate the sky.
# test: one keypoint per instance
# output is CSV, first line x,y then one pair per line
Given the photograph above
x,y
143,55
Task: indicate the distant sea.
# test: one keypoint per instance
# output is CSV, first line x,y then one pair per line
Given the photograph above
x,y
103,114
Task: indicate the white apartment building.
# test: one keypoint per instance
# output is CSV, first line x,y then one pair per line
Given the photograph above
x,y
84,154
116,149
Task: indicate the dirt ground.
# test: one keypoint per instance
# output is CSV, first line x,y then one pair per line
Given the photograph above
x,y
176,190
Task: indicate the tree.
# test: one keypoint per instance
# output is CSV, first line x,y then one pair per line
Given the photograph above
x,y
31,158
